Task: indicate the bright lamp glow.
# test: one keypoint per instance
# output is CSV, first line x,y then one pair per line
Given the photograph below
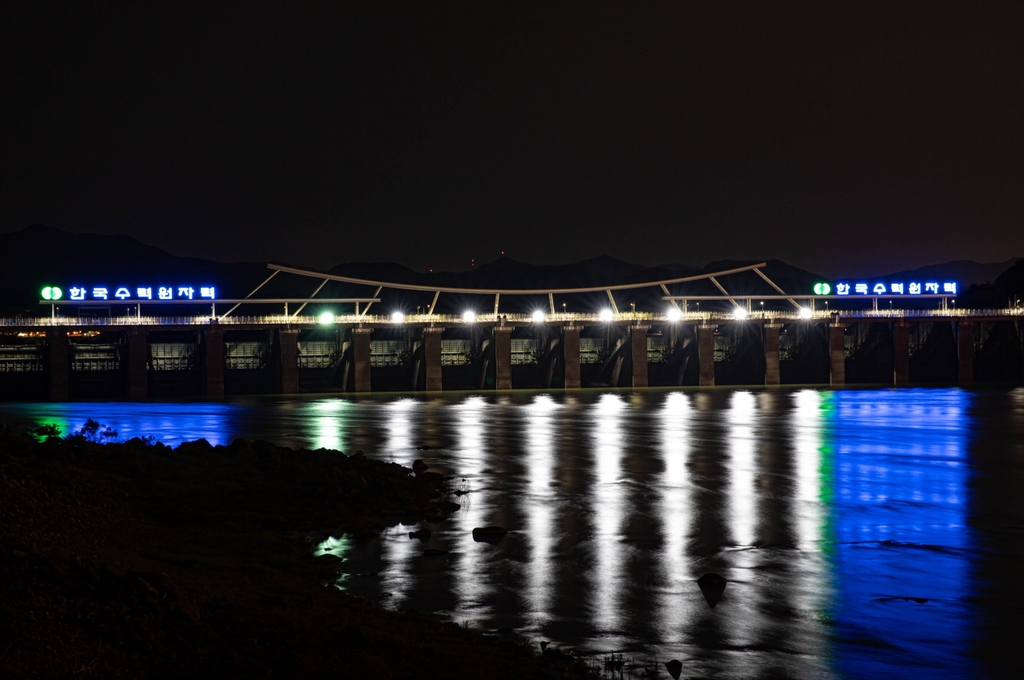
x,y
674,314
606,315
805,313
538,316
397,317
469,317
739,313
326,319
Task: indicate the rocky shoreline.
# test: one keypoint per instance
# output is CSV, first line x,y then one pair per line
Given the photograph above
x,y
137,560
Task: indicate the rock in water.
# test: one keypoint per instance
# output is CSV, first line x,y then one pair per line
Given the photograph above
x,y
674,668
712,585
419,466
489,534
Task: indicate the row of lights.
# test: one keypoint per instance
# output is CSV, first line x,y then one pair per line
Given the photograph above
x,y
538,316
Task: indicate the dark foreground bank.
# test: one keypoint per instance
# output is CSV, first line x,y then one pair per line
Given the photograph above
x,y
138,560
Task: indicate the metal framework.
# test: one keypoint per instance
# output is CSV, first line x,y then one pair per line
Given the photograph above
x,y
549,292
361,313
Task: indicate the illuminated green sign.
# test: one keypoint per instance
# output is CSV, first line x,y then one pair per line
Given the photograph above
x,y
822,289
52,293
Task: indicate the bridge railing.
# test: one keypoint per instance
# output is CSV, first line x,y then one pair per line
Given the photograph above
x,y
451,320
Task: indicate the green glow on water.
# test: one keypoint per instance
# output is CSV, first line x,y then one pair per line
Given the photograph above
x,y
826,474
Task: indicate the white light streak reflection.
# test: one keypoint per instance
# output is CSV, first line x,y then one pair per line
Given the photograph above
x,y
608,512
807,442
329,423
471,588
808,428
674,506
539,510
399,431
397,578
740,420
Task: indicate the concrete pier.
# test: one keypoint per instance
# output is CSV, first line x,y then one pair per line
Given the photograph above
x,y
138,356
706,354
59,362
965,352
901,353
287,356
638,354
571,357
502,358
161,360
771,354
432,358
213,363
837,354
361,359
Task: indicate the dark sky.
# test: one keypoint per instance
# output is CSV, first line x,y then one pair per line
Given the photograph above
x,y
844,138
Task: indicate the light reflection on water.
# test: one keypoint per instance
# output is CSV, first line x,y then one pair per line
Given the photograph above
x,y
841,519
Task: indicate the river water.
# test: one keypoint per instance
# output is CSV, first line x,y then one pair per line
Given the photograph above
x,y
863,533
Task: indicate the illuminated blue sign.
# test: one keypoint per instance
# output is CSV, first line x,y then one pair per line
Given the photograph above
x,y
890,289
141,293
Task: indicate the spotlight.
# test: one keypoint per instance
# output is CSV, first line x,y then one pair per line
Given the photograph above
x,y
326,319
740,313
606,315
538,316
805,313
674,314
397,317
469,317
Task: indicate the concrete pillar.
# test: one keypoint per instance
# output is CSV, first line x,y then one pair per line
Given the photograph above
x,y
138,356
59,361
706,354
432,358
502,358
771,354
837,354
361,359
965,352
901,353
288,361
571,357
638,354
213,364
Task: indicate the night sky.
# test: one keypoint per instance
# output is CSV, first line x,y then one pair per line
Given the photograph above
x,y
846,139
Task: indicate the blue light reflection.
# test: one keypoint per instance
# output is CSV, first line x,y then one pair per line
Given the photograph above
x,y
170,423
903,545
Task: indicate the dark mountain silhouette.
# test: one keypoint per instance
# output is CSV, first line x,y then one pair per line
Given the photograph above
x,y
965,272
39,255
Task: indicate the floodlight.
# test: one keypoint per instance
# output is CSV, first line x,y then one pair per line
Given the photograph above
x,y
606,315
326,319
538,316
806,313
740,313
469,317
674,314
397,317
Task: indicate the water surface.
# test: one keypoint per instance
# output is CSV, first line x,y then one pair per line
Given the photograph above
x,y
864,533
